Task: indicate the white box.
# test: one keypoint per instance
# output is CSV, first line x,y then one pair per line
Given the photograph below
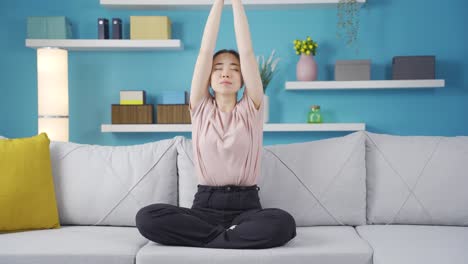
x,y
132,97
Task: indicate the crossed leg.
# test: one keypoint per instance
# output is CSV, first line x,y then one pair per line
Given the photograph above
x,y
258,228
172,225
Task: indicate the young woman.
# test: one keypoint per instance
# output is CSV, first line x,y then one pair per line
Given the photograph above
x,y
227,139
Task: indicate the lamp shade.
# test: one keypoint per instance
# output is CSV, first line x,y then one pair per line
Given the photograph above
x,y
56,128
52,81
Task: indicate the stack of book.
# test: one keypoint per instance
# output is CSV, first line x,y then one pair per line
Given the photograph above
x,y
132,109
172,108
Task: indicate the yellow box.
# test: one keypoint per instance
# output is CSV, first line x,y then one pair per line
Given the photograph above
x,y
132,102
150,27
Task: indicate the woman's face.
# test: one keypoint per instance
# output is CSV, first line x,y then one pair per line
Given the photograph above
x,y
226,76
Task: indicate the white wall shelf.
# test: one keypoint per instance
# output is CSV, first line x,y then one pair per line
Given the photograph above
x,y
106,44
206,4
373,84
285,127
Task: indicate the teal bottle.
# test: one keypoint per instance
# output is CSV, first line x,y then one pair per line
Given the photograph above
x,y
314,115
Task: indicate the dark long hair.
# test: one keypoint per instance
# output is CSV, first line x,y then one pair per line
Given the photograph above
x,y
233,52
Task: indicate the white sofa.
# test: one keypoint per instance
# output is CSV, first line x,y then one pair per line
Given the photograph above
x,y
358,199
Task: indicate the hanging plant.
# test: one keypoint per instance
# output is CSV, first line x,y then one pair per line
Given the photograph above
x,y
348,20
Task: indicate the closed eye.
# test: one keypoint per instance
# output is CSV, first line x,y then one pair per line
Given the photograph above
x,y
231,69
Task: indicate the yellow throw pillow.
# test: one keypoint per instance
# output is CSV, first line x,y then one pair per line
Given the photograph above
x,y
27,195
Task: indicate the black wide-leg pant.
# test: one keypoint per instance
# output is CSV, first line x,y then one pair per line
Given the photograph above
x,y
227,216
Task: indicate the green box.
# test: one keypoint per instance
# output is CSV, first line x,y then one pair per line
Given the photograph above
x,y
49,27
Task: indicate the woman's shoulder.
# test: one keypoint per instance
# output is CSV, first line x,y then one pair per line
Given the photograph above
x,y
247,103
205,102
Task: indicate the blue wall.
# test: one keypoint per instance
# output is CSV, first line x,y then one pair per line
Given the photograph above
x,y
388,28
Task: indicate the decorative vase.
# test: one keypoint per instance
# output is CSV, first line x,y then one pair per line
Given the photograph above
x,y
265,108
306,69
314,115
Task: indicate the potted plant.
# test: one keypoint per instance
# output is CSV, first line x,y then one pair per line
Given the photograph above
x,y
266,68
306,69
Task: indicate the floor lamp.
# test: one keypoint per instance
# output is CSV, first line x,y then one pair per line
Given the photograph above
x,y
52,84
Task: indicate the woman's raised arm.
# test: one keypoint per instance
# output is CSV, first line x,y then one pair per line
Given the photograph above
x,y
204,64
249,66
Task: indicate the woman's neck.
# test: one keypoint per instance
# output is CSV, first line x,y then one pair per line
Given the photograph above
x,y
225,102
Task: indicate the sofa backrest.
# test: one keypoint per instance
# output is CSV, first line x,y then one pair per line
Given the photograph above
x,y
319,182
107,185
417,179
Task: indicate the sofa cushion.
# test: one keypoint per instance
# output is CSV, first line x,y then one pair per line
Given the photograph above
x,y
417,179
107,185
320,244
27,195
187,175
409,244
319,183
72,245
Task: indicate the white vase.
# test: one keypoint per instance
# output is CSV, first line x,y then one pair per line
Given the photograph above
x,y
265,108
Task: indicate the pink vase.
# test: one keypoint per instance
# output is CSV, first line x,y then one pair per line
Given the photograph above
x,y
306,69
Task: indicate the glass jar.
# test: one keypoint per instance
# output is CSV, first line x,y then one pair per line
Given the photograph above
x,y
314,115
